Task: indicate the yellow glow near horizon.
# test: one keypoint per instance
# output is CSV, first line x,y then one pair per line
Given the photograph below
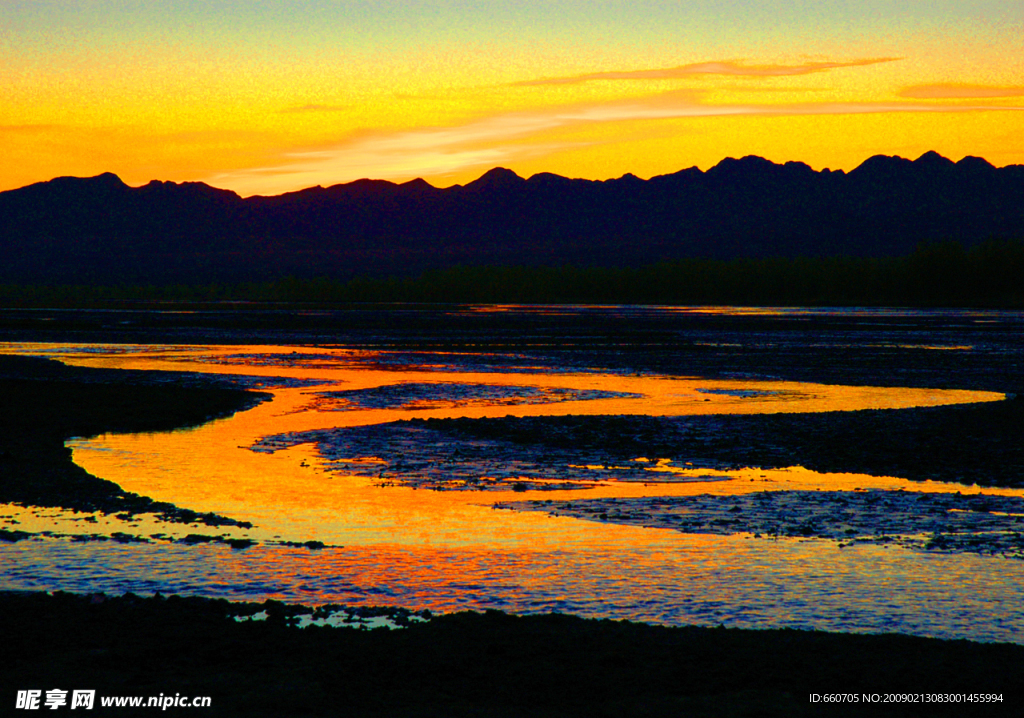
x,y
295,93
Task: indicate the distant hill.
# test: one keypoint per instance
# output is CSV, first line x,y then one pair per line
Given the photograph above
x,y
100,231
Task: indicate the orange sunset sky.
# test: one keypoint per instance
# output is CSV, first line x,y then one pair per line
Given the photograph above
x,y
268,97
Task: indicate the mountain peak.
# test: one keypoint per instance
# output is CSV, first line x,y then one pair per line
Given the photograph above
x,y
418,183
497,178
749,166
932,159
879,166
971,162
745,161
107,179
550,180
630,179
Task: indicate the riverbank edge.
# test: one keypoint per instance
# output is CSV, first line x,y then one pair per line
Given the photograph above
x,y
493,664
43,403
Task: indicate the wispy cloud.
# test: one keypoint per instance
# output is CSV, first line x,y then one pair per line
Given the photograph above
x,y
502,139
402,154
954,91
710,68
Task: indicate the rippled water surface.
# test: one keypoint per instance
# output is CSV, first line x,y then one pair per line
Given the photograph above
x,y
311,465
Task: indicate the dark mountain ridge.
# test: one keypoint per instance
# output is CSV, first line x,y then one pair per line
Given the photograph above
x,y
101,231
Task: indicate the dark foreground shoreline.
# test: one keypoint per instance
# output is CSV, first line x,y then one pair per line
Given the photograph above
x,y
472,664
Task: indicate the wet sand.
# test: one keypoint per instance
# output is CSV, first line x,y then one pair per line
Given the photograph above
x,y
981,443
947,523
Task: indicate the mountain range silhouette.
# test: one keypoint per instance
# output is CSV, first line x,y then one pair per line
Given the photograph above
x,y
99,230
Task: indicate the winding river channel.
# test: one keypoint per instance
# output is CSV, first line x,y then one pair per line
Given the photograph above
x,y
310,466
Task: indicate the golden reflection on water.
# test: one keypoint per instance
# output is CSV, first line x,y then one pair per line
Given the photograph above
x,y
450,550
340,368
290,496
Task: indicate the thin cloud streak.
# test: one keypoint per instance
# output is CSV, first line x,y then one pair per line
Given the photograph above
x,y
401,155
709,68
952,92
502,139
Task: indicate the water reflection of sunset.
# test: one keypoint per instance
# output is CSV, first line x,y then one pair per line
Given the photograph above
x,y
447,550
289,495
